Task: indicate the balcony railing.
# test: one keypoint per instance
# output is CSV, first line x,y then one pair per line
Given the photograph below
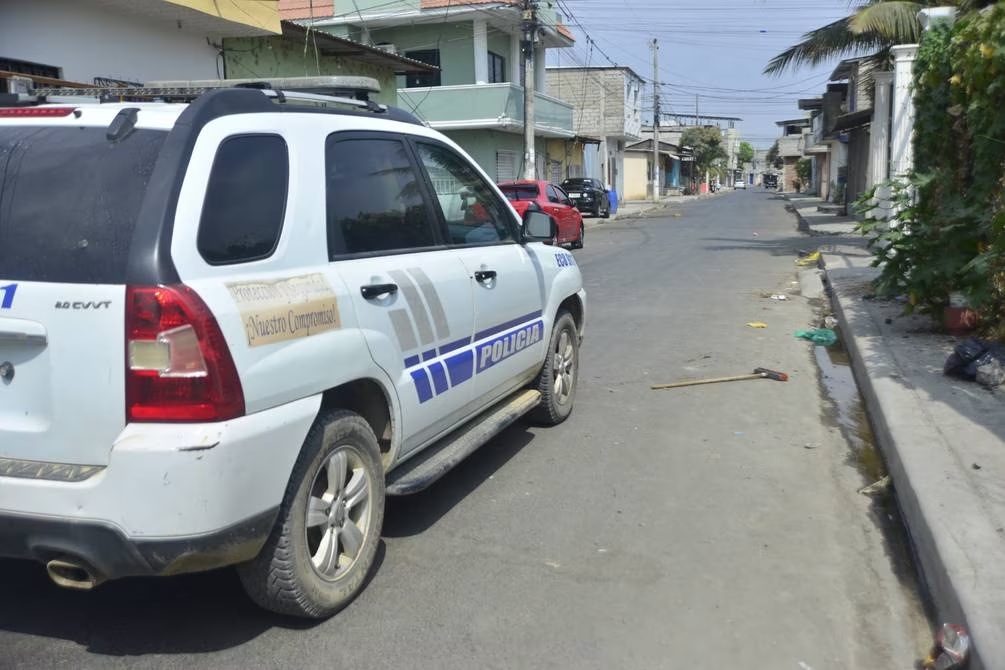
x,y
493,106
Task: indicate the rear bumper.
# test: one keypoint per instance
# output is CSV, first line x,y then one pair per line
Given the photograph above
x,y
173,497
109,554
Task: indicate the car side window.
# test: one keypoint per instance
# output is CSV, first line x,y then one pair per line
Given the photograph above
x,y
474,214
563,197
242,215
374,199
553,194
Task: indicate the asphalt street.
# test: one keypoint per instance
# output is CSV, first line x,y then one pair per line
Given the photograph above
x,y
709,527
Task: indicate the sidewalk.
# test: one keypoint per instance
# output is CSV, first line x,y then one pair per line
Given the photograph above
x,y
943,439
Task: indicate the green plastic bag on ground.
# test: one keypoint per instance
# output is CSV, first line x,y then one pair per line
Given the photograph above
x,y
824,336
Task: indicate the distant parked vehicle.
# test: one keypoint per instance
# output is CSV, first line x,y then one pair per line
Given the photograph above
x,y
553,201
588,195
739,183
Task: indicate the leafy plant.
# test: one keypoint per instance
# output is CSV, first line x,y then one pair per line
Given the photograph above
x,y
948,234
804,170
707,144
745,154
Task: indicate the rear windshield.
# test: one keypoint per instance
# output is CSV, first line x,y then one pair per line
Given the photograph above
x,y
577,182
520,191
69,199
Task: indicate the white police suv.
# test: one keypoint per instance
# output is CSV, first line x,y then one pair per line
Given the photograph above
x,y
233,317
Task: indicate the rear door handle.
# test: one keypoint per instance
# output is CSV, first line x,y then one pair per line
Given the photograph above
x,y
485,275
371,291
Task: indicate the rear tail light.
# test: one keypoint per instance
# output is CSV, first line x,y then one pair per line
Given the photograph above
x,y
178,365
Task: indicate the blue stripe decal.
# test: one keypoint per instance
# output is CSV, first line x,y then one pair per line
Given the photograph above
x,y
461,367
509,324
453,346
439,378
421,380
429,355
411,361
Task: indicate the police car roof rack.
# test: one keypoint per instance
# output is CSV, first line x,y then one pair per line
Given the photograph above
x,y
315,91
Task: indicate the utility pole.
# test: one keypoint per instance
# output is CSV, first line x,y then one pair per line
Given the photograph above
x,y
656,121
529,27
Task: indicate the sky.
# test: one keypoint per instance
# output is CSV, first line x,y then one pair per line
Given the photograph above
x,y
713,49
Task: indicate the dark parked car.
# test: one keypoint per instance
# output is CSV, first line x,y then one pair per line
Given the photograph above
x,y
589,196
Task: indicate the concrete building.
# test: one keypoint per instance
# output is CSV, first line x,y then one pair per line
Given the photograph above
x,y
476,95
607,117
790,149
110,41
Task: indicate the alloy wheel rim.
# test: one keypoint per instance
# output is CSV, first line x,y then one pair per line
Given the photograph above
x,y
563,368
338,512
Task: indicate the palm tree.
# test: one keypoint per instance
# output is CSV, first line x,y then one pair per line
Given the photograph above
x,y
871,28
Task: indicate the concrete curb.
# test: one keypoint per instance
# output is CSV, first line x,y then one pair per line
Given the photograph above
x,y
956,545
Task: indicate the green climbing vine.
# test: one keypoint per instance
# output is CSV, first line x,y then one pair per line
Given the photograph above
x,y
949,235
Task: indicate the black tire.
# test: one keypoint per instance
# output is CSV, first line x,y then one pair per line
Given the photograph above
x,y
578,244
556,403
283,577
599,209
607,211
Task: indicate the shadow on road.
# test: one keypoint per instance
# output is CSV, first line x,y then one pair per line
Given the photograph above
x,y
411,515
778,246
209,611
186,614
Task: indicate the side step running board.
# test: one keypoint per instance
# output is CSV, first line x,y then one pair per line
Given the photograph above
x,y
425,468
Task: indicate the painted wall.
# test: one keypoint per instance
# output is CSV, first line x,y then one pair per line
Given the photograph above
x,y
263,15
673,179
454,40
246,57
482,146
570,154
86,41
636,175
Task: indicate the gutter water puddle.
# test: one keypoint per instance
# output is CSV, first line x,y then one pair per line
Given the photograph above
x,y
847,412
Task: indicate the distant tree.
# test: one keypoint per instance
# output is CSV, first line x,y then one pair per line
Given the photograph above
x,y
745,154
773,153
707,145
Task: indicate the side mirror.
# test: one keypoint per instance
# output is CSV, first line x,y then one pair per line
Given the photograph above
x,y
538,227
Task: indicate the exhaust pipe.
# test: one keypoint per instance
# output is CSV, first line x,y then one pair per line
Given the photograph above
x,y
71,574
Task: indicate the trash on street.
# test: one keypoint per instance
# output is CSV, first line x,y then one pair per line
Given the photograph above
x,y
977,360
876,487
952,648
808,259
757,324
822,336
